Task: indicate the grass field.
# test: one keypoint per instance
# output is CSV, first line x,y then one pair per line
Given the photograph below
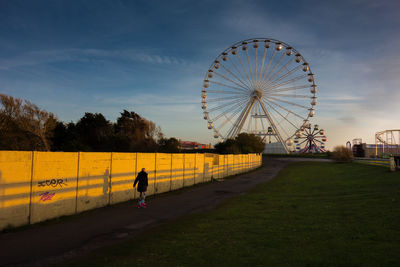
x,y
314,214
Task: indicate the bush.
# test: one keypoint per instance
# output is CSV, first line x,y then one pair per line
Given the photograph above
x,y
342,154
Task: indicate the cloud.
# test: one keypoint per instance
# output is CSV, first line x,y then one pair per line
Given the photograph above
x,y
149,99
88,55
348,119
252,20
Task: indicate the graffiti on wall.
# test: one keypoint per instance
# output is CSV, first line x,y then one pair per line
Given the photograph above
x,y
53,183
46,196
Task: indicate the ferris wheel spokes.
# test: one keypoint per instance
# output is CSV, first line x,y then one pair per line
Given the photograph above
x,y
275,66
224,77
222,92
248,85
288,81
290,72
287,102
292,95
262,64
289,111
248,61
236,77
284,117
269,64
228,86
292,88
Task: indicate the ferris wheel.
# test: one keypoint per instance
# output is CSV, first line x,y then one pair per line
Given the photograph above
x,y
310,140
261,86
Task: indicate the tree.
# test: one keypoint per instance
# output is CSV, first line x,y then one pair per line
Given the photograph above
x,y
94,133
39,123
228,146
24,125
169,145
66,138
342,154
250,143
11,136
134,133
243,143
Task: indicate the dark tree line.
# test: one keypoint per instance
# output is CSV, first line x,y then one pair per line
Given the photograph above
x,y
24,126
242,143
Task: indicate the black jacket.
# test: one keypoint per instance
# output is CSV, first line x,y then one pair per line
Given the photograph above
x,y
142,181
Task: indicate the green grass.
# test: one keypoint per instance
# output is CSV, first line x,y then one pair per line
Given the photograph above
x,y
314,214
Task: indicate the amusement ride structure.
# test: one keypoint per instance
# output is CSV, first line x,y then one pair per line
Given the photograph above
x,y
388,142
310,140
260,86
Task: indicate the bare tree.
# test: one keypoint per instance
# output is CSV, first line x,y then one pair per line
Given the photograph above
x,y
17,115
152,130
11,109
38,122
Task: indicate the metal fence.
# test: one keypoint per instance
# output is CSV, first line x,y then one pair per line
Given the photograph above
x,y
374,161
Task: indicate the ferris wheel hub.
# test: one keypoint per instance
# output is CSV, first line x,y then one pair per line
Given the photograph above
x,y
256,93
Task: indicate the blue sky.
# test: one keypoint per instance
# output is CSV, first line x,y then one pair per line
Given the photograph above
x,y
71,57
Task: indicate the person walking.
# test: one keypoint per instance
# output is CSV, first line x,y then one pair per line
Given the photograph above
x,y
142,182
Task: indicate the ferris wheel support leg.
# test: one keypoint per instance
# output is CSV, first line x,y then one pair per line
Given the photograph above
x,y
273,125
245,117
233,131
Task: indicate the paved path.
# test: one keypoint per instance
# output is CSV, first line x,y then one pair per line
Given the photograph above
x,y
53,242
296,159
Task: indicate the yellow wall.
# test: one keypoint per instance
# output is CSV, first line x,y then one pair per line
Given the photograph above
x,y
230,164
236,164
226,166
163,172
188,174
242,164
248,162
93,180
199,169
221,166
53,185
15,187
208,166
177,171
36,186
123,174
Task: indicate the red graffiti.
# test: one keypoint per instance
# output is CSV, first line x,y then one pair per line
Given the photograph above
x,y
46,196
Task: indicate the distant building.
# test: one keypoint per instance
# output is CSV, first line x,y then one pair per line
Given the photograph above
x,y
374,150
274,148
379,150
193,145
383,147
